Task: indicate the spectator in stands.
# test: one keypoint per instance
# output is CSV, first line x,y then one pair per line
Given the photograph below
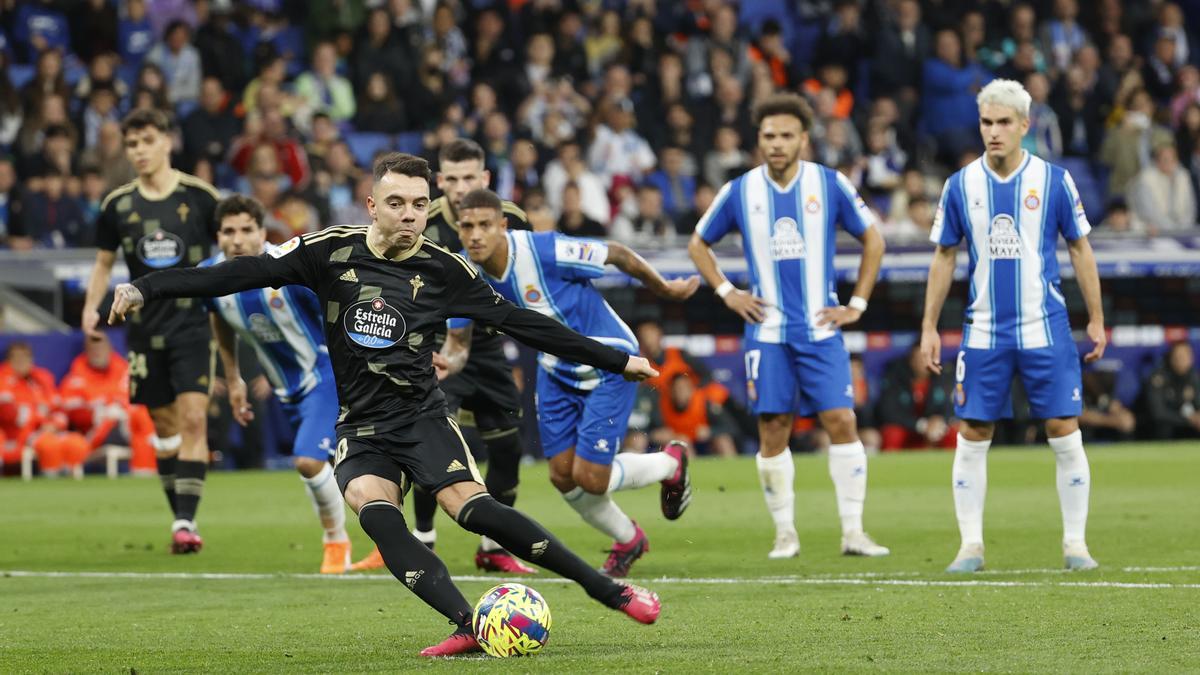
x,y
101,107
1128,147
379,109
689,414
727,108
92,191
1188,95
179,62
648,225
618,153
1104,417
355,213
950,115
12,110
93,28
57,152
685,225
30,415
296,215
1172,395
1077,105
1022,31
1161,195
102,72
841,146
109,155
569,166
221,53
1044,137
379,50
210,128
53,218
323,89
727,159
272,70
335,183
770,50
676,187
1158,73
604,44
884,163
1119,62
914,406
843,42
723,36
272,131
39,26
1062,36
95,399
573,221
48,80
432,86
901,48
12,229
135,35
150,80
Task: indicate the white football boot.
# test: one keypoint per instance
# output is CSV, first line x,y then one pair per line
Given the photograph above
x,y
787,545
969,559
1076,556
860,543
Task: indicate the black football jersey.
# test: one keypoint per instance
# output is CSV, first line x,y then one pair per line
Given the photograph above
x,y
154,234
380,317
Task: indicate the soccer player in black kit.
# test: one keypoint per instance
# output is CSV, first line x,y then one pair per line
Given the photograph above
x,y
386,291
162,219
481,389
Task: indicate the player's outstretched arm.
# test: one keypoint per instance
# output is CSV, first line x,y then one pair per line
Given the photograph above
x,y
1088,276
547,335
628,261
227,348
937,287
751,308
96,289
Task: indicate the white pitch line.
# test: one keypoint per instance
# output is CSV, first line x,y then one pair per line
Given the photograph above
x,y
701,581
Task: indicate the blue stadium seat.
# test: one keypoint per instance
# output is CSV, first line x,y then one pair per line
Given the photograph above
x,y
1091,189
364,145
20,74
411,142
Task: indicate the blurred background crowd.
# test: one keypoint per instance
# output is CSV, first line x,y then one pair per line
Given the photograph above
x,y
617,117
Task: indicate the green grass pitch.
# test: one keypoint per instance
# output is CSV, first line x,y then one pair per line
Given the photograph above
x,y
726,607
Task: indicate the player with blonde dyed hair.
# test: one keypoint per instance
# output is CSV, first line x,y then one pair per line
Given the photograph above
x,y
1011,208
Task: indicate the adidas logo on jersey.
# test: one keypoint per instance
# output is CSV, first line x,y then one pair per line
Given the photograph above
x,y
455,466
349,275
539,548
411,577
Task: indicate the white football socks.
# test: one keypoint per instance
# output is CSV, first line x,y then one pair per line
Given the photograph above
x,y
1074,480
602,513
969,480
327,502
848,469
633,470
777,476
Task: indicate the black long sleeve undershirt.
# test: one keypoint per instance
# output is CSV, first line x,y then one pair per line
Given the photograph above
x,y
543,333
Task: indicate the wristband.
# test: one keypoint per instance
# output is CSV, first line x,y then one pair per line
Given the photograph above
x,y
724,289
857,303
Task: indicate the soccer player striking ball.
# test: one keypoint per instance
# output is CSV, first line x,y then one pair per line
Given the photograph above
x,y
582,413
1011,207
384,291
484,385
284,327
796,362
162,219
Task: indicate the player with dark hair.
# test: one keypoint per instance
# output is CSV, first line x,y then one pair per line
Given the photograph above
x,y
385,290
284,326
481,394
162,219
787,211
583,414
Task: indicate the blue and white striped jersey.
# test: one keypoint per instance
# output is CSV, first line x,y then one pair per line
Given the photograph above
x,y
788,239
551,273
1011,226
284,326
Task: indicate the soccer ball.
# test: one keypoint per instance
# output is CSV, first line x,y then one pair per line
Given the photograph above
x,y
511,620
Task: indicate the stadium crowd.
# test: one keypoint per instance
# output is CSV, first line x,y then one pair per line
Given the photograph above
x,y
617,117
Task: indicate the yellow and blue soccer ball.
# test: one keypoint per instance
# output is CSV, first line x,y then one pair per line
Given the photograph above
x,y
511,620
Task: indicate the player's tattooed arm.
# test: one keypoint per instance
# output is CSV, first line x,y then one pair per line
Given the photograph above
x,y
937,287
628,261
455,351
